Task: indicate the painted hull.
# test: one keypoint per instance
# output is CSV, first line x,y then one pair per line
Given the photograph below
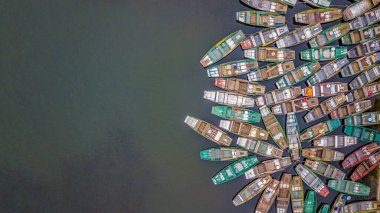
x,y
324,169
274,127
365,77
283,196
270,54
264,37
349,187
322,154
310,202
297,75
297,194
278,96
364,92
299,36
323,53
268,197
362,207
319,130
260,18
365,48
292,133
335,141
319,3
330,35
244,129
223,154
259,147
327,71
358,8
325,107
295,105
268,167
240,86
351,109
359,65
252,189
360,155
312,180
364,119
362,133
232,68
325,89
236,114
267,5
318,16
365,167
369,18
271,71
361,35
229,99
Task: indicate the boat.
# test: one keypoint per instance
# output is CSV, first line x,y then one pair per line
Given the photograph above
x,y
318,16
283,196
232,68
292,133
327,71
362,133
362,206
270,54
278,96
260,18
320,129
312,180
296,194
299,36
241,86
259,147
322,154
369,18
251,190
310,202
330,35
208,131
323,53
298,74
324,209
361,35
229,98
365,48
365,167
351,109
365,92
268,167
364,119
223,154
295,105
319,3
274,127
349,187
271,71
366,77
235,169
267,5
244,129
358,8
360,155
222,48
264,37
324,169
359,65
268,197
325,89
325,107
335,141
236,114
339,203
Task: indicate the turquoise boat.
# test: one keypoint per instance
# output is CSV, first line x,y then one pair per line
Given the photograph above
x,y
319,3
223,154
323,53
236,114
362,133
324,209
364,119
310,202
349,187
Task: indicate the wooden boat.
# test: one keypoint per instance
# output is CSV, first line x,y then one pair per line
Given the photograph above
x,y
361,35
299,36
268,197
270,54
274,127
260,18
222,48
223,154
283,196
235,169
364,119
322,154
229,99
267,5
251,190
296,194
271,71
335,141
361,207
232,68
292,133
240,86
325,89
319,3
264,37
364,92
362,133
244,129
323,53
297,75
369,18
360,155
268,167
365,167
351,109
310,202
329,35
208,131
362,64
318,16
358,8
236,114
325,107
312,180
324,169
327,71
365,48
295,105
339,203
259,147
320,129
278,96
349,187
324,209
366,77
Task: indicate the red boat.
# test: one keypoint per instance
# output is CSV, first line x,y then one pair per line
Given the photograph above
x,y
360,155
366,167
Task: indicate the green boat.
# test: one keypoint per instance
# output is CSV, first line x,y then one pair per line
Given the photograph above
x,y
298,74
362,133
235,169
349,187
236,114
330,35
260,18
364,119
223,154
323,53
361,35
319,3
319,130
310,202
324,209
232,68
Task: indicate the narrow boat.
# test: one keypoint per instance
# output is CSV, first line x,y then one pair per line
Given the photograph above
x,y
339,203
360,155
244,129
335,141
318,16
240,86
222,48
361,207
362,64
236,114
324,169
322,154
229,98
259,147
366,77
364,92
295,105
358,8
283,196
349,187
299,36
323,53
325,89
320,129
268,167
208,131
364,119
296,194
319,3
329,35
235,169
361,35
278,96
362,133
267,5
264,37
292,133
251,190
223,154
365,167
271,71
327,71
324,209
310,202
312,180
299,74
351,109
325,107
365,48
260,18
369,18
232,68
270,54
268,197
274,127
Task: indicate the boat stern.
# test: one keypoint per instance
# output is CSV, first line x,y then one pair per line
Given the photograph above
x,y
221,83
324,191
